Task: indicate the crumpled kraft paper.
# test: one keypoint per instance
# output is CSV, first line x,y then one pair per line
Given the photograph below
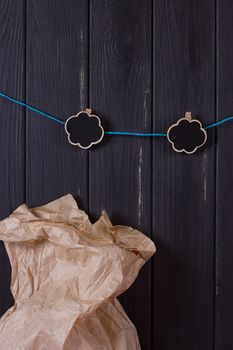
x,y
66,276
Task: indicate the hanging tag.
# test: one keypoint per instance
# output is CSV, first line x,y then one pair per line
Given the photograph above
x,y
84,129
187,135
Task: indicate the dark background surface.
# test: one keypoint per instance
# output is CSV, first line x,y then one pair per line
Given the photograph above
x,y
139,64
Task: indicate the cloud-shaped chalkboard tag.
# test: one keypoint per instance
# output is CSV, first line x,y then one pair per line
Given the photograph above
x,y
84,129
187,135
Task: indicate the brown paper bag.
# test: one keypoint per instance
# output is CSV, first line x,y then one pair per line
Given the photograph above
x,y
66,275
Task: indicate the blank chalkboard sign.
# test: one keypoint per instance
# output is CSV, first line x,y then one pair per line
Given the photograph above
x,y
84,129
187,135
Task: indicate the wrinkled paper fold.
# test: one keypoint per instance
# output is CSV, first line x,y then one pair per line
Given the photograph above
x,y
66,276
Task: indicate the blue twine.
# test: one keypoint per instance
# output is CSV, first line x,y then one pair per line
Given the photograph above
x,y
219,123
133,133
38,111
31,108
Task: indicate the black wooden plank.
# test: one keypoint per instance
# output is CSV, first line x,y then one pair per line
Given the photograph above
x,y
12,119
57,82
224,197
183,185
120,167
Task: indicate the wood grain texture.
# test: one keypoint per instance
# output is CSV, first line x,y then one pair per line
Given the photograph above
x,y
183,185
140,65
57,82
120,167
224,197
12,119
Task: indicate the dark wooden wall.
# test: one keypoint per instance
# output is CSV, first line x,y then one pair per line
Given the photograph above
x,y
140,64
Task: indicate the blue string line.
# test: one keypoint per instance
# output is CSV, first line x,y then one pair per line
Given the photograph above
x,y
219,123
133,133
38,111
31,108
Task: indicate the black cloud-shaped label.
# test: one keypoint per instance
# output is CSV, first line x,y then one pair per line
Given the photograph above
x,y
84,129
186,135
